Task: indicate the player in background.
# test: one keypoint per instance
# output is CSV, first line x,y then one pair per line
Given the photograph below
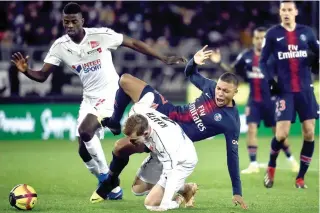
x,y
86,51
288,43
213,113
174,155
261,104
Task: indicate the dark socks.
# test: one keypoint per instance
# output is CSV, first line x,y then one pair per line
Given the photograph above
x,y
274,152
118,164
122,100
305,157
252,150
286,150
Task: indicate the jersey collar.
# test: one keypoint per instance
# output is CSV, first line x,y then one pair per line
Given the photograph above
x,y
83,39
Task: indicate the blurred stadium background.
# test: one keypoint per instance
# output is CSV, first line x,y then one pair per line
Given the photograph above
x,y
31,112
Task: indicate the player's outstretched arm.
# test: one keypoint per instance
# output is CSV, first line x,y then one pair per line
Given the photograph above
x,y
191,70
233,167
144,48
21,63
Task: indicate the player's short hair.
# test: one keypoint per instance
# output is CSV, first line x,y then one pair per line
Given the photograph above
x,y
229,78
260,29
135,123
294,2
72,8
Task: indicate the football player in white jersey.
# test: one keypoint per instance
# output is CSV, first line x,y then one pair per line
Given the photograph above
x,y
86,51
173,156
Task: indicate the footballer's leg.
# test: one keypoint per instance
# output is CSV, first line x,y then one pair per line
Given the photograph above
x,y
88,134
307,111
130,88
140,187
186,191
253,120
285,114
287,152
282,132
307,150
147,175
120,158
90,163
269,121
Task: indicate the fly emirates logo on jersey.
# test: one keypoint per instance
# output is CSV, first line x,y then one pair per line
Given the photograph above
x,y
197,114
91,66
293,53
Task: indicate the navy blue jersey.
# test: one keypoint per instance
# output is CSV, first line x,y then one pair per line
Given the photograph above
x,y
247,66
203,119
290,51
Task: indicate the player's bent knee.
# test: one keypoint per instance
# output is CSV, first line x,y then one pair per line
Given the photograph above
x,y
118,146
308,134
124,80
139,191
85,134
281,136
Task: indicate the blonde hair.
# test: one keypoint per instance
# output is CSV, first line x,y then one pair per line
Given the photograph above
x,y
135,123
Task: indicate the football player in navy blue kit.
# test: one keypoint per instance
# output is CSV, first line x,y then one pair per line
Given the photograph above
x,y
213,113
261,105
288,43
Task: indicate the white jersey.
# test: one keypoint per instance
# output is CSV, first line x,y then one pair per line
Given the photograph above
x,y
167,139
173,148
91,59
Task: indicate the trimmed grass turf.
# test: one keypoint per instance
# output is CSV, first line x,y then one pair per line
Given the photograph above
x,y
63,183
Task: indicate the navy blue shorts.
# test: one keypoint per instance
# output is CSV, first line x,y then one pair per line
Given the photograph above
x,y
257,111
161,104
304,103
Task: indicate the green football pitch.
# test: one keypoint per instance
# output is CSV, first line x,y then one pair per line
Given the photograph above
x,y
64,185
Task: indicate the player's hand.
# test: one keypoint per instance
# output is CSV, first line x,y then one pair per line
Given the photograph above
x,y
274,87
20,61
238,200
170,60
215,56
202,55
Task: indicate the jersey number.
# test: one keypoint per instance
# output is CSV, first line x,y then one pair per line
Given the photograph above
x,y
100,101
281,105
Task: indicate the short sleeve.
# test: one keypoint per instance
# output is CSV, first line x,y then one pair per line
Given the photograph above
x,y
52,56
111,39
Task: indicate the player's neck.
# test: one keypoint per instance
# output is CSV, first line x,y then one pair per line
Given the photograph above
x,y
77,39
257,51
290,26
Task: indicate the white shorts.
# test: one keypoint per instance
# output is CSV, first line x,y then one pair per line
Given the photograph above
x,y
182,172
150,170
101,107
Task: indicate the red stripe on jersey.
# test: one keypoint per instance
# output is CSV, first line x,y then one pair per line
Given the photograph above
x,y
256,81
183,117
293,63
209,106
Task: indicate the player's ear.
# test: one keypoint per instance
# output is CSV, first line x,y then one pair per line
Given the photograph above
x,y
82,21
